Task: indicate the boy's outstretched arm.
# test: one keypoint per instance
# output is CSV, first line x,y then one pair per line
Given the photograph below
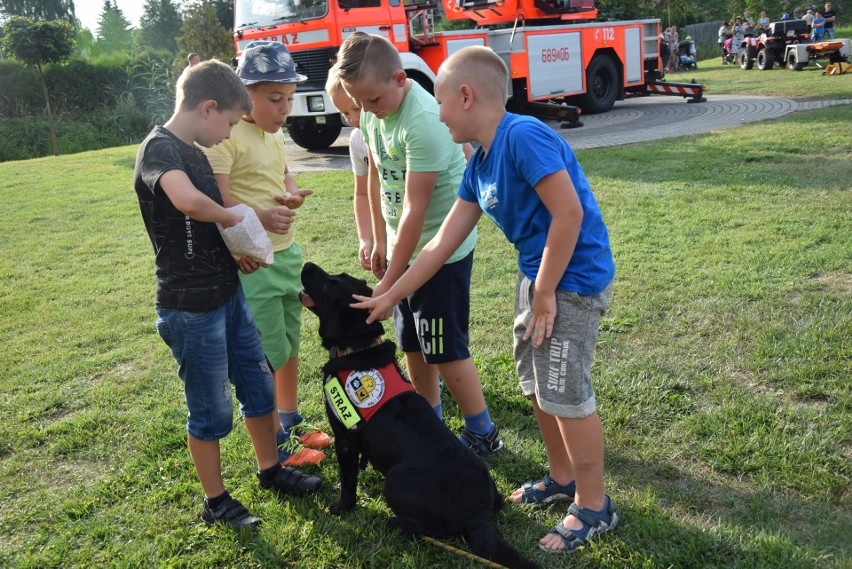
x,y
454,230
276,219
419,187
559,196
363,221
379,254
190,201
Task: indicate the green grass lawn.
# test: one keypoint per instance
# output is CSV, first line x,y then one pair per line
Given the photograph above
x,y
722,373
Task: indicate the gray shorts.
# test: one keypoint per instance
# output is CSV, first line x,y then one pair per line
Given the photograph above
x,y
559,371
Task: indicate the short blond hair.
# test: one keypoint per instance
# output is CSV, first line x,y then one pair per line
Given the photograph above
x,y
367,55
481,68
211,80
333,85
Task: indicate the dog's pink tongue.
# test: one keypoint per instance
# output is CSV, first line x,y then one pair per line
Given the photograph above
x,y
307,301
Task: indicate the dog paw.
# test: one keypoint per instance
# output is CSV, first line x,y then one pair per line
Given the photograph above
x,y
340,507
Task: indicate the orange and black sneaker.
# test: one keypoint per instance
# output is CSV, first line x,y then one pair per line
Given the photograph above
x,y
293,453
310,435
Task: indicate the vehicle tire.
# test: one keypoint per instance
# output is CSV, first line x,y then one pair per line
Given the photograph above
x,y
765,59
793,62
746,59
312,136
601,85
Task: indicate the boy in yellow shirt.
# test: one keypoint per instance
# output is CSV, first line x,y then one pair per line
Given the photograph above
x,y
251,168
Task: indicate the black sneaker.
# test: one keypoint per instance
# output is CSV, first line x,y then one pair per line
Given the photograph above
x,y
291,481
230,512
483,445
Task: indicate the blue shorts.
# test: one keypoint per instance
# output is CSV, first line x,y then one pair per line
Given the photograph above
x,y
213,350
434,320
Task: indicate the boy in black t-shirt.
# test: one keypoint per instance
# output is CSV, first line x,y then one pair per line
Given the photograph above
x,y
201,311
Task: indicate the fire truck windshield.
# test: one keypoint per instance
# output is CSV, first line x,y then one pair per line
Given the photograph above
x,y
266,13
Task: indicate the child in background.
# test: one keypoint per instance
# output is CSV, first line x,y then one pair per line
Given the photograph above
x,y
818,27
251,168
526,178
359,156
418,167
201,310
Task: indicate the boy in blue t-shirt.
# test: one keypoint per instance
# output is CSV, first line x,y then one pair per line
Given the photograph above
x,y
201,311
528,181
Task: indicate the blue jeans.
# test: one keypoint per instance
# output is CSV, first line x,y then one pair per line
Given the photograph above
x,y
214,350
828,33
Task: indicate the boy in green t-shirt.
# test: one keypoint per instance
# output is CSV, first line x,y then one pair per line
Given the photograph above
x,y
416,168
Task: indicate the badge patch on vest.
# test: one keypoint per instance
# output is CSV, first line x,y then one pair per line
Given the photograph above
x,y
365,388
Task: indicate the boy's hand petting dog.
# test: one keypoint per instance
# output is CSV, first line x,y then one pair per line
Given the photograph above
x,y
380,307
295,199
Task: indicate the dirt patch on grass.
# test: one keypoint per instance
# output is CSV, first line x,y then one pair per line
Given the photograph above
x,y
840,283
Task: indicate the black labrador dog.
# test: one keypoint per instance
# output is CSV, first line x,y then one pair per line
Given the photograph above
x,y
434,485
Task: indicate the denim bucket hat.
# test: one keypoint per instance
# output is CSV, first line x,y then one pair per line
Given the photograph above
x,y
267,61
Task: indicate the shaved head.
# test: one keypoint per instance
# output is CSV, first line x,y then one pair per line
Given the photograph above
x,y
479,67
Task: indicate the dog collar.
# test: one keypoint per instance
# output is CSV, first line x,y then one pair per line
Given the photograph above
x,y
336,352
356,396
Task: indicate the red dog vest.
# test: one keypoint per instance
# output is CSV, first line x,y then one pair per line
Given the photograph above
x,y
356,395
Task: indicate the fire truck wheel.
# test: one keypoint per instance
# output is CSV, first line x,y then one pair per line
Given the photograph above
x,y
312,136
601,85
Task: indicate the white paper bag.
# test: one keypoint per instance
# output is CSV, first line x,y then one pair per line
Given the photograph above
x,y
248,237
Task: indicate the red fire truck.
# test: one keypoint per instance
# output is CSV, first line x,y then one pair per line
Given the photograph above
x,y
559,57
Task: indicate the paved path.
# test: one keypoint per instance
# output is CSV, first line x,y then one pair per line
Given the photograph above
x,y
633,120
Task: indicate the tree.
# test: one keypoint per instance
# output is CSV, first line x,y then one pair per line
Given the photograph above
x,y
224,12
37,10
114,31
159,25
203,34
36,44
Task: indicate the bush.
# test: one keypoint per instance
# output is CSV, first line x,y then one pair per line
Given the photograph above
x,y
28,137
21,89
111,101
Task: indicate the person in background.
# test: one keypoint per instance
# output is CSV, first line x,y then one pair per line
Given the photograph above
x,y
830,18
673,43
724,35
818,27
737,36
809,19
193,59
762,22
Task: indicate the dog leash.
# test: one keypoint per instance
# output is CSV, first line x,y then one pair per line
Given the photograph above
x,y
461,552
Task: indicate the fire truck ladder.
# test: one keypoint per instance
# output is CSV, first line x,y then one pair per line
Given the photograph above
x,y
421,23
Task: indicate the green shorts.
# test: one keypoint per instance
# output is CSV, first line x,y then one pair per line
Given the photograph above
x,y
273,297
